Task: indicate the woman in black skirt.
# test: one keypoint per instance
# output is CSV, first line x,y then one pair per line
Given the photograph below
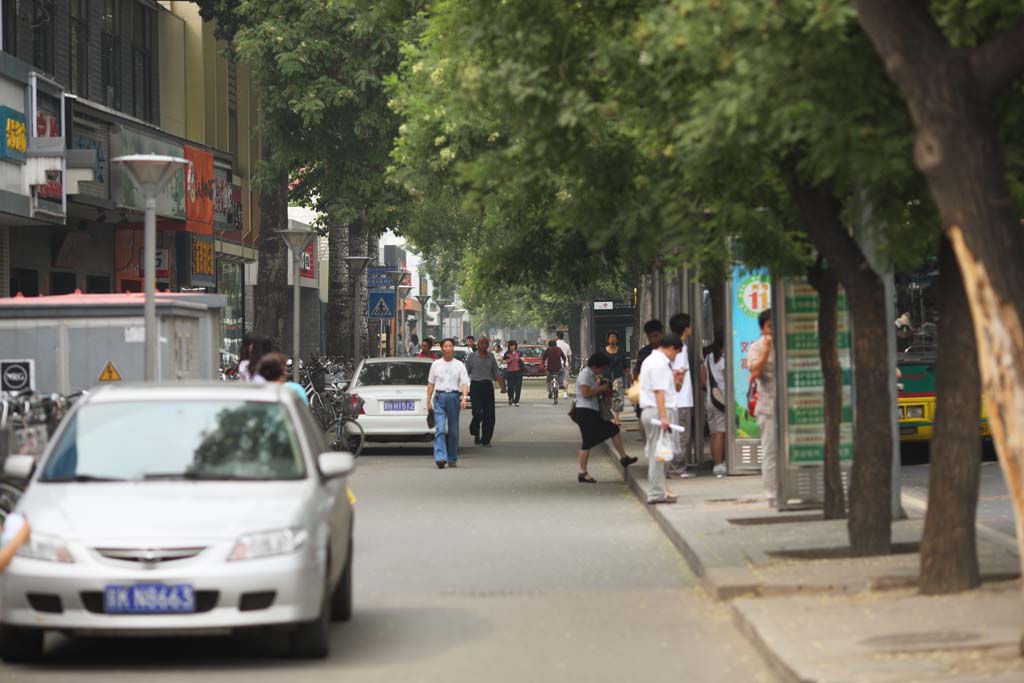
x,y
593,428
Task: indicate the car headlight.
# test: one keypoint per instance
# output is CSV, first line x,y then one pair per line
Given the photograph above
x,y
43,547
268,543
915,412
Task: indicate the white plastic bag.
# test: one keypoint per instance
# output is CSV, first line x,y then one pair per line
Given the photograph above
x,y
664,451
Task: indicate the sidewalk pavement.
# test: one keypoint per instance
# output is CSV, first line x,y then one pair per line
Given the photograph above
x,y
819,615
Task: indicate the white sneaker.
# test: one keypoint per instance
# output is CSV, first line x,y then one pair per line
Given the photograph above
x,y
686,474
720,470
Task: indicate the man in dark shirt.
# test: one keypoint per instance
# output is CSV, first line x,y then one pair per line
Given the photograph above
x,y
553,359
483,371
654,331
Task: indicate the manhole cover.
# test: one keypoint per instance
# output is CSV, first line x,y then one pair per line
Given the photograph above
x,y
896,641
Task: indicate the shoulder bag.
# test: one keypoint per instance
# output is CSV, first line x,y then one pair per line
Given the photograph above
x,y
717,400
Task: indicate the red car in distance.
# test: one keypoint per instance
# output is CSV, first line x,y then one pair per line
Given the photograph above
x,y
532,355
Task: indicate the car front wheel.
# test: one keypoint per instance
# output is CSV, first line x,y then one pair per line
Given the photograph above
x,y
341,600
311,640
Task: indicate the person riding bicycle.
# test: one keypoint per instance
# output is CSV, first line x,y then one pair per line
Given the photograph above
x,y
554,360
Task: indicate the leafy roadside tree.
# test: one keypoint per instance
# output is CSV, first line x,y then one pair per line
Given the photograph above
x,y
958,70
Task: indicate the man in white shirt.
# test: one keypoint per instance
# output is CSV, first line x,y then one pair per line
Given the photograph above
x,y
447,380
682,401
657,382
567,350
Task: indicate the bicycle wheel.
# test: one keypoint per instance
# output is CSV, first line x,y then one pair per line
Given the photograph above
x,y
349,436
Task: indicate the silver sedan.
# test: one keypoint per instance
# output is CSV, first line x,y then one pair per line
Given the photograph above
x,y
182,509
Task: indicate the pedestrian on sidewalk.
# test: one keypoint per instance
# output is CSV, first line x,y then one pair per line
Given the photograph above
x,y
567,350
554,362
245,354
653,330
447,389
762,369
483,371
514,368
594,430
425,348
15,534
713,381
680,403
471,343
657,384
273,368
616,373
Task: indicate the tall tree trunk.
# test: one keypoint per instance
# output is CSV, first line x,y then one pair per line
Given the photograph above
x,y
870,517
273,309
339,291
949,557
824,281
357,244
949,93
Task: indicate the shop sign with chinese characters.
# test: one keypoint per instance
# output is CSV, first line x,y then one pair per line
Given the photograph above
x,y
14,145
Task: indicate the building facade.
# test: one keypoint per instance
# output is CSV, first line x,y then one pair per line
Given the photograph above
x,y
105,78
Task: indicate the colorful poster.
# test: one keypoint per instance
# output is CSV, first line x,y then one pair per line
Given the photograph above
x,y
805,400
199,191
307,262
14,144
749,294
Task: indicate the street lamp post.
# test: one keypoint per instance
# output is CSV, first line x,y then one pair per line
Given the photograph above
x,y
149,173
423,299
397,277
441,305
297,239
357,264
403,291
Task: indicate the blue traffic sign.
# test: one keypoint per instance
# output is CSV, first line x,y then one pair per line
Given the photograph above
x,y
377,277
381,305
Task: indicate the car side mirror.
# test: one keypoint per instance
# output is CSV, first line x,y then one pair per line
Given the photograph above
x,y
334,464
19,466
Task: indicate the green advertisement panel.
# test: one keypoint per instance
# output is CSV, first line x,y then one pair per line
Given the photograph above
x,y
804,382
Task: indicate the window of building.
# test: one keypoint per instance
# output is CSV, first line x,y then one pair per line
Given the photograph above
x,y
62,283
10,28
232,107
78,48
142,61
24,282
110,49
97,284
42,35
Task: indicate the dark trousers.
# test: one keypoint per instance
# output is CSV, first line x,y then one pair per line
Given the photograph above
x,y
514,381
482,395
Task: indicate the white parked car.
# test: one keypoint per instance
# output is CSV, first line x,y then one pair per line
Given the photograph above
x,y
182,509
394,391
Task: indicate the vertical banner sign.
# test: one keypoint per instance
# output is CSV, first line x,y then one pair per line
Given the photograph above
x,y
750,293
199,191
804,433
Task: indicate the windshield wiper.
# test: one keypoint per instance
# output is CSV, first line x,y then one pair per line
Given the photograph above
x,y
197,476
82,478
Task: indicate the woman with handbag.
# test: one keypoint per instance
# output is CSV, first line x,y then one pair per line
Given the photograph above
x,y
586,412
713,380
615,373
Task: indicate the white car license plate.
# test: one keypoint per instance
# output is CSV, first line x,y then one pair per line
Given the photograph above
x,y
399,406
149,598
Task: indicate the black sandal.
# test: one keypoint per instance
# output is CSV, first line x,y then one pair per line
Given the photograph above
x,y
585,478
627,461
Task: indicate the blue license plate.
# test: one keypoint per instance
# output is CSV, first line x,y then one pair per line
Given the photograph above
x,y
149,598
399,406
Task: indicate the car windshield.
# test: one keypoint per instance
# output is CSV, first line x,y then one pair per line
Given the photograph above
x,y
153,440
388,374
531,351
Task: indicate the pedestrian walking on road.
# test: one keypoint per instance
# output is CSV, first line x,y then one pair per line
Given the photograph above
x,y
762,369
657,384
425,348
567,350
713,380
514,368
554,363
594,430
653,330
273,367
447,389
616,373
483,371
680,402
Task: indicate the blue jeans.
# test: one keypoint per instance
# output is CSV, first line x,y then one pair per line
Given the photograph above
x,y
446,426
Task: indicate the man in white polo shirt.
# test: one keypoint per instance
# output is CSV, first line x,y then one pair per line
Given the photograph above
x,y
447,380
567,367
682,401
657,383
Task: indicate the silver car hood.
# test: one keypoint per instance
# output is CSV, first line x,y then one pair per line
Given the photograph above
x,y
159,512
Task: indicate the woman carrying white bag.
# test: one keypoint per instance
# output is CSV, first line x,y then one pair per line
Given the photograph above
x,y
656,380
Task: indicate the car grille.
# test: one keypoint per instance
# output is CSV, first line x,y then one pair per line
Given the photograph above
x,y
149,556
93,601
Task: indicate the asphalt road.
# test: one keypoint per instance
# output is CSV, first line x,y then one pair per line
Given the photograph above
x,y
505,569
